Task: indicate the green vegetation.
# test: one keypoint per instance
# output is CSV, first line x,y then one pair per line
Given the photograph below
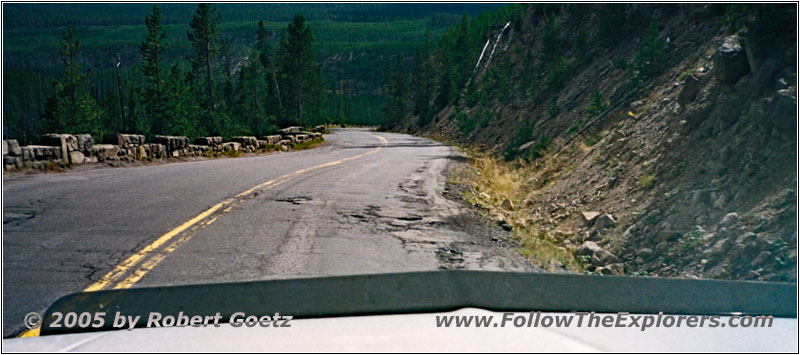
x,y
645,181
128,50
597,104
650,56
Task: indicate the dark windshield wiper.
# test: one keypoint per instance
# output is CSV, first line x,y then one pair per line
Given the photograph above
x,y
438,291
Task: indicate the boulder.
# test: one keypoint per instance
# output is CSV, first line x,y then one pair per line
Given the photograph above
x,y
233,146
208,141
667,235
45,152
605,221
730,61
603,257
66,142
85,142
105,151
762,258
172,143
12,162
588,217
139,153
691,86
124,141
587,248
645,253
272,139
76,157
615,269
246,141
730,220
289,130
157,151
11,147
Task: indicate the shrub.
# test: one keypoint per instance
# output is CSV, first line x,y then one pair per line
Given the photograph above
x,y
645,181
573,128
597,104
649,58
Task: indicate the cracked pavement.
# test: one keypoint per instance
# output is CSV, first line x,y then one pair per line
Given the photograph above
x,y
390,211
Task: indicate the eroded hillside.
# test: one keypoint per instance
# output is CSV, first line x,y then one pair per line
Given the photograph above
x,y
637,139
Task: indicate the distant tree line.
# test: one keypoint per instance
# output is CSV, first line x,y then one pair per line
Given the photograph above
x,y
208,93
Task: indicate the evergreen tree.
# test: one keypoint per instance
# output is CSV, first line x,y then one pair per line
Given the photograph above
x,y
71,108
418,83
203,38
445,84
649,58
461,51
180,104
264,52
297,63
551,40
427,73
152,50
397,91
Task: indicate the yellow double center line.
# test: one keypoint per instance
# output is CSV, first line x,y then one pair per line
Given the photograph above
x,y
151,254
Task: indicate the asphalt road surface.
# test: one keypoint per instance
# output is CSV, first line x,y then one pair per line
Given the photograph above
x,y
363,202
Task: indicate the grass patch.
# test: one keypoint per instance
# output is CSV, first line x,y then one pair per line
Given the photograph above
x,y
492,180
645,181
309,144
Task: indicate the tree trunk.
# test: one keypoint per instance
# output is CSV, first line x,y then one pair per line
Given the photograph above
x,y
119,93
160,117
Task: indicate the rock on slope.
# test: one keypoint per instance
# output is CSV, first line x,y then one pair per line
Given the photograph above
x,y
696,166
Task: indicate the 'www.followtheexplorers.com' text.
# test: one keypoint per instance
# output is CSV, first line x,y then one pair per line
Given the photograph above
x,y
592,320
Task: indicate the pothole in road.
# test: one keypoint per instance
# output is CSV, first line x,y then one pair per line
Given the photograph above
x,y
295,199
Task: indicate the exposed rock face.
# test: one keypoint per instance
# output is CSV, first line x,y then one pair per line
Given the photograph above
x,y
711,133
730,61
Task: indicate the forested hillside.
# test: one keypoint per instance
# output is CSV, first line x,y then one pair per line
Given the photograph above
x,y
645,139
104,60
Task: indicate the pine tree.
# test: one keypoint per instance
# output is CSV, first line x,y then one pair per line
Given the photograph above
x,y
264,51
462,48
649,58
417,82
427,73
203,38
397,91
445,84
152,50
297,62
180,105
71,109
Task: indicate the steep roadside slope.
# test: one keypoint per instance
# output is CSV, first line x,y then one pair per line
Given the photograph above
x,y
669,150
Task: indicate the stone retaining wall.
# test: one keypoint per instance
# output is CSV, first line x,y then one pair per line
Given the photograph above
x,y
67,149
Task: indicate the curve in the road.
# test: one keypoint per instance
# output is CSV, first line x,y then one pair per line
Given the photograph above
x,y
151,255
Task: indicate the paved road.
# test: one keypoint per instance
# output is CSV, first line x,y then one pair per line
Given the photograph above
x,y
364,202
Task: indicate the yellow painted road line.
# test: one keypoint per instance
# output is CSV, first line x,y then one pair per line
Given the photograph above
x,y
155,259
134,259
